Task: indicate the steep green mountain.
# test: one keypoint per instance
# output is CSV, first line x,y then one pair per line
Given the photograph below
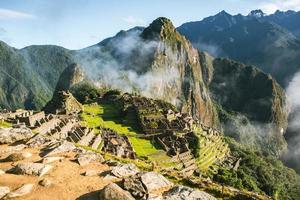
x,y
29,76
251,105
251,39
156,62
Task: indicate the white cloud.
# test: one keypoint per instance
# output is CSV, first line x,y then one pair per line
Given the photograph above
x,y
13,14
272,5
133,20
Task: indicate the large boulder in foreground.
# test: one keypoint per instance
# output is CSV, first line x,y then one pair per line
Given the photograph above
x,y
12,135
114,192
155,182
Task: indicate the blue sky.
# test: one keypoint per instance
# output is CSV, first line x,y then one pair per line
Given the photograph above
x,y
76,24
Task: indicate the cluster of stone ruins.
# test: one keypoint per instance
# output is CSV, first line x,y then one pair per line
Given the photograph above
x,y
157,120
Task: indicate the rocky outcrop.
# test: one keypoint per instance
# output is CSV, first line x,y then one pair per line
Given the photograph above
x,y
174,57
12,135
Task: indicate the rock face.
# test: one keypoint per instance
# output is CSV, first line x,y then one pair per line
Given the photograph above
x,y
252,105
36,169
186,193
114,192
12,135
175,54
164,64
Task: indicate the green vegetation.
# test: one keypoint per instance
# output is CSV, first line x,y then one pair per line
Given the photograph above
x,y
85,92
208,150
105,116
109,116
5,124
260,174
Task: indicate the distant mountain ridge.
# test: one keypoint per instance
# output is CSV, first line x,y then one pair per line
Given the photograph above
x,y
266,41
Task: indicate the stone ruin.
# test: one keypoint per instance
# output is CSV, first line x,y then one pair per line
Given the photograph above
x,y
85,137
30,118
116,144
63,103
155,116
177,147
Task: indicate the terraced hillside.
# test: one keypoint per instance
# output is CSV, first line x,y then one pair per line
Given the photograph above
x,y
119,116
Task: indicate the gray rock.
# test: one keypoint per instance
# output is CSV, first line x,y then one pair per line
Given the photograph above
x,y
186,193
62,148
39,140
114,192
12,135
45,183
4,191
18,156
22,191
91,172
86,158
47,160
36,169
135,186
126,170
154,181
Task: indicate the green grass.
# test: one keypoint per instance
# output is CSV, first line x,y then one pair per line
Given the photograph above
x,y
108,116
142,147
5,124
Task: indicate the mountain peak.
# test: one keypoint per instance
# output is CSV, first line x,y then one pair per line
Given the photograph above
x,y
257,13
223,13
155,28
